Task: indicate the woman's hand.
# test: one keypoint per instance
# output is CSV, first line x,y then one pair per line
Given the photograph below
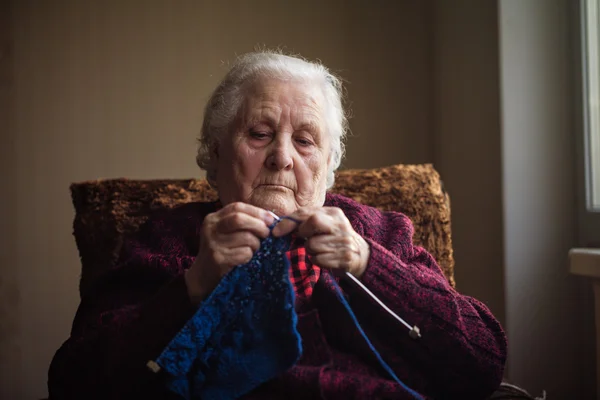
x,y
229,237
331,241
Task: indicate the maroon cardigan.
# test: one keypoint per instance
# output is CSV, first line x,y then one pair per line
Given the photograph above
x,y
135,310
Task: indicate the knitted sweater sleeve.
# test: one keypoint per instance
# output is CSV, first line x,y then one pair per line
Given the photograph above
x,y
131,314
462,351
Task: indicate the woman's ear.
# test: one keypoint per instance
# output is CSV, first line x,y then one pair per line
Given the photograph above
x,y
330,160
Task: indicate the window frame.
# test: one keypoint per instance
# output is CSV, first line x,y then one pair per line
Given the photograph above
x,y
588,218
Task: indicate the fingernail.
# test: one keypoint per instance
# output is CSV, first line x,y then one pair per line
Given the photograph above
x,y
269,217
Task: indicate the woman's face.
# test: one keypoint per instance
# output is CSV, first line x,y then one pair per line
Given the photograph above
x,y
276,158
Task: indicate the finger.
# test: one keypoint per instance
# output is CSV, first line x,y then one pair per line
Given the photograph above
x,y
289,223
239,221
335,252
234,256
242,255
317,224
249,209
338,263
237,239
330,243
285,227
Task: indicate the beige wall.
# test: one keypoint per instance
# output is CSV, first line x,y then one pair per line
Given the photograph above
x,y
466,141
111,89
388,66
9,285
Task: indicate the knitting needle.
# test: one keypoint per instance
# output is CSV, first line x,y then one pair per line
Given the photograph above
x,y
413,331
274,215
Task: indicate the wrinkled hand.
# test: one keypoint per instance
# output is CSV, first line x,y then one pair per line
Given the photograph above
x,y
229,237
331,241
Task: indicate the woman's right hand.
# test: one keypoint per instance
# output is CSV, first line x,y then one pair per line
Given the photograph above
x,y
229,237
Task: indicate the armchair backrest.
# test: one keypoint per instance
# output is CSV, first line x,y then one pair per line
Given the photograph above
x,y
108,210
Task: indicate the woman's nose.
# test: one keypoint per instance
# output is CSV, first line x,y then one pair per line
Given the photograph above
x,y
280,157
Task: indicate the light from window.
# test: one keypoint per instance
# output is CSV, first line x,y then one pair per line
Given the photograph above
x,y
592,102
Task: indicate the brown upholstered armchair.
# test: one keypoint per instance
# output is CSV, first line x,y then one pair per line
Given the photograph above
x,y
107,210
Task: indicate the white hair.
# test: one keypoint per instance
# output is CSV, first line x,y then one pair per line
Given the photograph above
x,y
224,105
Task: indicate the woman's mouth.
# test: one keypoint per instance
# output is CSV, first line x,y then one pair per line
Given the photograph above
x,y
275,187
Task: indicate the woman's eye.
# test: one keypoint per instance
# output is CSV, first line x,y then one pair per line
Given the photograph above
x,y
259,135
304,142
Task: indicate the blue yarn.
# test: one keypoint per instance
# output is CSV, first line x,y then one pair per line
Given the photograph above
x,y
383,364
244,333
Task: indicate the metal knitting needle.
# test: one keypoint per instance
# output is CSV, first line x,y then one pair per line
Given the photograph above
x,y
274,215
413,331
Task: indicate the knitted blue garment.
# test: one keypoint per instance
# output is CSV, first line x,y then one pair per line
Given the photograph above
x,y
244,333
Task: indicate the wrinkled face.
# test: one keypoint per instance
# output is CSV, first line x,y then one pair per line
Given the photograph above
x,y
276,156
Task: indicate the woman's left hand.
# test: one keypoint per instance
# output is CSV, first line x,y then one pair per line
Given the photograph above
x,y
330,239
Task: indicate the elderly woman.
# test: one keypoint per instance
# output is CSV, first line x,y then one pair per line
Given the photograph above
x,y
271,140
